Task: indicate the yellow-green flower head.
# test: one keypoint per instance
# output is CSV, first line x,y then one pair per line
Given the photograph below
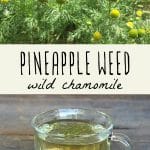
x,y
97,36
138,18
141,32
4,1
139,13
130,24
133,33
115,13
89,23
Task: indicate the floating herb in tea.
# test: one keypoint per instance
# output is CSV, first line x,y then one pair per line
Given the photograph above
x,y
71,135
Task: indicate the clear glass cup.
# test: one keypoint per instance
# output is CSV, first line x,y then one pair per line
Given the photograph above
x,y
101,139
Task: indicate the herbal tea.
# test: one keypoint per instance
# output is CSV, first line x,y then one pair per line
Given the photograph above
x,y
71,135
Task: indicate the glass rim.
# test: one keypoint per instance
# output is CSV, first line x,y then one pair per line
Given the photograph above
x,y
36,128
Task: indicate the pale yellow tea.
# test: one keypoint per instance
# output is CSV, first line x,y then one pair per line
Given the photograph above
x,y
71,135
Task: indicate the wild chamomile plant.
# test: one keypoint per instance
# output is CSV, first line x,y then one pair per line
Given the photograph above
x,y
75,21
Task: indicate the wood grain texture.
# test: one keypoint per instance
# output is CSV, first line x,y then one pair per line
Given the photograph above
x,y
131,116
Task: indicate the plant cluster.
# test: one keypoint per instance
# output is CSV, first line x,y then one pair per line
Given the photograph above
x,y
75,21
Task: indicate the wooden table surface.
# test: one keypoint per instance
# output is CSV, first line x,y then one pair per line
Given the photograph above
x,y
131,115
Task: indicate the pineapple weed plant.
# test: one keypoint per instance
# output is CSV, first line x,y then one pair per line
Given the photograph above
x,y
75,21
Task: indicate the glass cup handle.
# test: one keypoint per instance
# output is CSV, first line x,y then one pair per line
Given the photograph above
x,y
122,139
